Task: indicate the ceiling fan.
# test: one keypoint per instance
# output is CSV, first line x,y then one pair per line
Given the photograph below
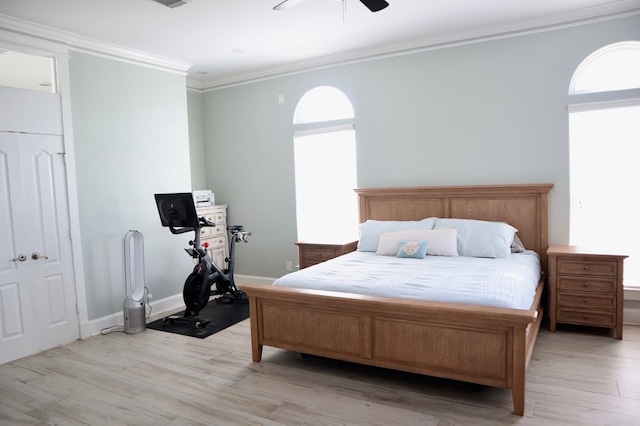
x,y
372,5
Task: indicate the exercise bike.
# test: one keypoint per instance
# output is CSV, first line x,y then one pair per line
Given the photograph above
x,y
178,213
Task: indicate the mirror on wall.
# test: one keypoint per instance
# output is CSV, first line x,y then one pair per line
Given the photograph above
x,y
26,71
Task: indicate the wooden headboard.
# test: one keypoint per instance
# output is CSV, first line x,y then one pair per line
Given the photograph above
x,y
526,207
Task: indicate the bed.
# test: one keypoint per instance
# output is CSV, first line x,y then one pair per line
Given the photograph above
x,y
486,345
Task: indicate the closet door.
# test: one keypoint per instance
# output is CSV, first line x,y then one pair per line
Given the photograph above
x,y
37,289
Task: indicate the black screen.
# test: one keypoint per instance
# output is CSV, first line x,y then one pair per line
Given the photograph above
x,y
180,206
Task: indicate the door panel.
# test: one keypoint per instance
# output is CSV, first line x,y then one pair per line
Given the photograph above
x,y
38,308
17,326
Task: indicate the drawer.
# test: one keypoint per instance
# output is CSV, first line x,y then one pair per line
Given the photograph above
x,y
212,231
207,231
587,284
219,229
582,266
218,218
318,255
216,242
585,300
586,317
307,263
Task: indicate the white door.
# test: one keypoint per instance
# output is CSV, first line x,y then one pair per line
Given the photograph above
x,y
37,288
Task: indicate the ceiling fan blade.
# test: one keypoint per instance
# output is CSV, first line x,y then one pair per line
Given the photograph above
x,y
375,5
286,4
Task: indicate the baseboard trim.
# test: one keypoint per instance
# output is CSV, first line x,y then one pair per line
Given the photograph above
x,y
246,279
159,308
631,316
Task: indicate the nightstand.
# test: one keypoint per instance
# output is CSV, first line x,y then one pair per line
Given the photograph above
x,y
585,287
311,253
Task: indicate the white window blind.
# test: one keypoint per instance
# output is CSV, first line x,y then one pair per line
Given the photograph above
x,y
325,167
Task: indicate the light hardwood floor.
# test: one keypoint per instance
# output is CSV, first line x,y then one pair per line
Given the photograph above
x,y
576,376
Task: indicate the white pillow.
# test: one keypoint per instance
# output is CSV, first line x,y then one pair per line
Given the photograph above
x,y
479,238
442,242
371,229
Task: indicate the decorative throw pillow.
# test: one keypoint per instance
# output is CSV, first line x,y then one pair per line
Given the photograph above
x,y
413,249
371,229
442,242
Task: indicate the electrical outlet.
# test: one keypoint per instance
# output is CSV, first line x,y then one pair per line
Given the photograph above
x,y
289,265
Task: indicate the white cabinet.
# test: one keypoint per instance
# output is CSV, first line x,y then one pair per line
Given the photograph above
x,y
215,236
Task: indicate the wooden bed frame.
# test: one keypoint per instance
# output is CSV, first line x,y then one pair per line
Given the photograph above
x,y
484,345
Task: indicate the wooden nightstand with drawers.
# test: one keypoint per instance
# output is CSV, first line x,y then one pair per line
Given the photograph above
x,y
311,253
585,287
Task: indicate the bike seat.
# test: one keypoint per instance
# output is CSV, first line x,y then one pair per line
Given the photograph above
x,y
235,228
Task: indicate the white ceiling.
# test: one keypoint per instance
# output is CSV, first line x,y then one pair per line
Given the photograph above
x,y
224,42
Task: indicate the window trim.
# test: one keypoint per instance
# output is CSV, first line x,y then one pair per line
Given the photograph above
x,y
321,130
608,104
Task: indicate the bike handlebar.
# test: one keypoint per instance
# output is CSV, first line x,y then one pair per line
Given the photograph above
x,y
205,222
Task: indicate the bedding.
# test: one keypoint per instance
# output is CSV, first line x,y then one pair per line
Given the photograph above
x,y
508,282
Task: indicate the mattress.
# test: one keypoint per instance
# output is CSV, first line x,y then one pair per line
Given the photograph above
x,y
505,283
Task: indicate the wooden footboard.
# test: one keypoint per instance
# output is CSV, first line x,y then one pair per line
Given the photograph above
x,y
477,344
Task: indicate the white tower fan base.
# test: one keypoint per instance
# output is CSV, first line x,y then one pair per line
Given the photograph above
x,y
134,287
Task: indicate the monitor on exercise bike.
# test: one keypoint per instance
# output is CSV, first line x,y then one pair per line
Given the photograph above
x,y
178,206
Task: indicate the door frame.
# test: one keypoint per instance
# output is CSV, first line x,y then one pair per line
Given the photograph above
x,y
60,52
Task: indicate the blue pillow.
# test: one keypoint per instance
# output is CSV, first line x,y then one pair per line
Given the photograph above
x,y
371,229
413,249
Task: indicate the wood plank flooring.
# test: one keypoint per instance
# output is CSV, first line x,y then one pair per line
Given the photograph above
x,y
577,376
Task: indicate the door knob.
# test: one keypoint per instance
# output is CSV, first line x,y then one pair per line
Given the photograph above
x,y
36,256
20,258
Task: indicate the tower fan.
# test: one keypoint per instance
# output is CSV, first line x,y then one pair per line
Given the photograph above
x,y
135,291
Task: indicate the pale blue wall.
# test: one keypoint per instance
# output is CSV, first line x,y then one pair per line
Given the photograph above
x,y
131,141
487,113
196,140
492,112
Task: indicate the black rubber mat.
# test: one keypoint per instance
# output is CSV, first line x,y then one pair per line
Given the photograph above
x,y
219,315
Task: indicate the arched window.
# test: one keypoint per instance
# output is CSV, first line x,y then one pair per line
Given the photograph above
x,y
324,103
325,167
604,139
614,67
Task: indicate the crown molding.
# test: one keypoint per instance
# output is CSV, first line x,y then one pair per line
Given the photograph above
x,y
88,45
195,85
532,26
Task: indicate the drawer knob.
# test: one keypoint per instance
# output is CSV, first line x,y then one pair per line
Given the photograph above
x,y
585,316
586,284
586,266
586,300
